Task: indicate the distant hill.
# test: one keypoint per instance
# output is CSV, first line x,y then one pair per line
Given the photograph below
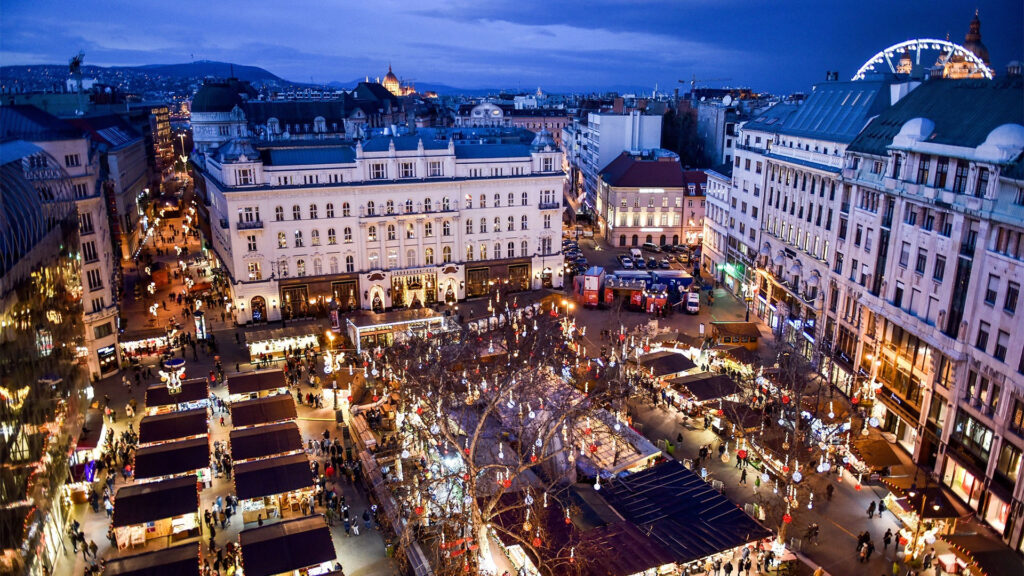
x,y
205,68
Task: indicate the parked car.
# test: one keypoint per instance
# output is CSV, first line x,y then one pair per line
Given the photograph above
x,y
640,264
683,258
651,247
668,248
665,263
627,263
693,303
652,263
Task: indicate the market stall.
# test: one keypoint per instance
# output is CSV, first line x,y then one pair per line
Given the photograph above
x,y
370,329
170,459
195,393
180,560
693,392
249,385
263,441
88,447
172,426
263,410
745,334
298,546
273,487
609,452
926,514
273,343
136,344
165,509
665,364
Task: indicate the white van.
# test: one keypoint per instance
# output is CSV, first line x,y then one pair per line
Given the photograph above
x,y
693,303
636,254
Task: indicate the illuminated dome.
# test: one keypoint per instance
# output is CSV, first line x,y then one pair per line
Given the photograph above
x,y
972,41
391,82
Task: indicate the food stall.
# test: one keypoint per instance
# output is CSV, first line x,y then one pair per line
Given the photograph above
x,y
263,441
173,426
610,452
273,487
164,509
275,342
925,514
263,410
744,334
693,392
145,342
249,385
89,447
180,560
370,329
171,459
195,393
300,546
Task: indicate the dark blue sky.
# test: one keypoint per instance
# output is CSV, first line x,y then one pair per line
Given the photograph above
x,y
773,45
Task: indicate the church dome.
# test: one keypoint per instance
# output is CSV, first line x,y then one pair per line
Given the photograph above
x,y
972,41
1003,144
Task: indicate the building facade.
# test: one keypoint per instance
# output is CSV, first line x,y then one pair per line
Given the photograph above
x,y
389,222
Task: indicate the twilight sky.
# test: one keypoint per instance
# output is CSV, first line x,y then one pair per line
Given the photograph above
x,y
773,45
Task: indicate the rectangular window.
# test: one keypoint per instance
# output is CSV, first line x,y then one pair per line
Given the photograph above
x,y
981,185
436,169
922,169
85,223
407,170
1012,294
72,160
992,289
941,168
939,272
981,342
103,330
960,177
250,241
378,171
1002,341
905,254
89,252
95,282
922,261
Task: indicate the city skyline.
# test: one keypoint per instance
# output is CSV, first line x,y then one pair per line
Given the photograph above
x,y
608,45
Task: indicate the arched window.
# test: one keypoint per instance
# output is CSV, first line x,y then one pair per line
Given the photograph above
x,y
410,230
282,240
483,225
511,199
497,223
469,226
428,229
469,253
389,207
511,249
446,204
483,201
296,212
372,235
282,267
446,228
446,254
334,264
346,210
318,267
524,248
428,206
523,223
348,235
408,206
300,267
469,201
497,200
526,198
298,238
483,251
330,210
391,231
622,240
428,256
312,212
497,250
511,223
278,213
350,264
314,237
410,258
332,239
371,208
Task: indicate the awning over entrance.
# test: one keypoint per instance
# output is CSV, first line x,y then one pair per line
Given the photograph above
x,y
988,555
286,546
140,503
263,410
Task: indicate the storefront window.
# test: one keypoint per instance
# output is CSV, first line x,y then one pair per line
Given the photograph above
x,y
1009,462
997,513
962,483
975,437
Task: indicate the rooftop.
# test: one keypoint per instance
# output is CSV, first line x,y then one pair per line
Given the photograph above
x,y
838,111
630,171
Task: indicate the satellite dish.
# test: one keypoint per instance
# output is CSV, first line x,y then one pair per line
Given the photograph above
x,y
727,100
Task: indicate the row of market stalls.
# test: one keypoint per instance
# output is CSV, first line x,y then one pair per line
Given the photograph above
x,y
272,479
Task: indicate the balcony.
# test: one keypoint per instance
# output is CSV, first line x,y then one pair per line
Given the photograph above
x,y
550,205
253,225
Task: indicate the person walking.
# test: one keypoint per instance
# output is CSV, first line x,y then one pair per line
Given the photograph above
x,y
828,492
887,539
743,476
871,509
93,548
366,518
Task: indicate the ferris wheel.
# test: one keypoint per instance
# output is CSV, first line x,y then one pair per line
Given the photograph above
x,y
928,51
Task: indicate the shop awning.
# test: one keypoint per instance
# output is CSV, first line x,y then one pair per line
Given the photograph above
x,y
666,363
991,556
174,561
172,458
681,512
172,426
92,430
263,410
286,546
151,501
705,386
262,441
272,476
192,390
249,382
876,453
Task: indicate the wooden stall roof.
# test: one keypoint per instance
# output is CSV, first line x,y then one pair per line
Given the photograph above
x,y
249,382
267,440
172,426
192,390
263,410
147,502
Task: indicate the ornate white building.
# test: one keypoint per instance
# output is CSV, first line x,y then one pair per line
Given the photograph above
x,y
390,222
